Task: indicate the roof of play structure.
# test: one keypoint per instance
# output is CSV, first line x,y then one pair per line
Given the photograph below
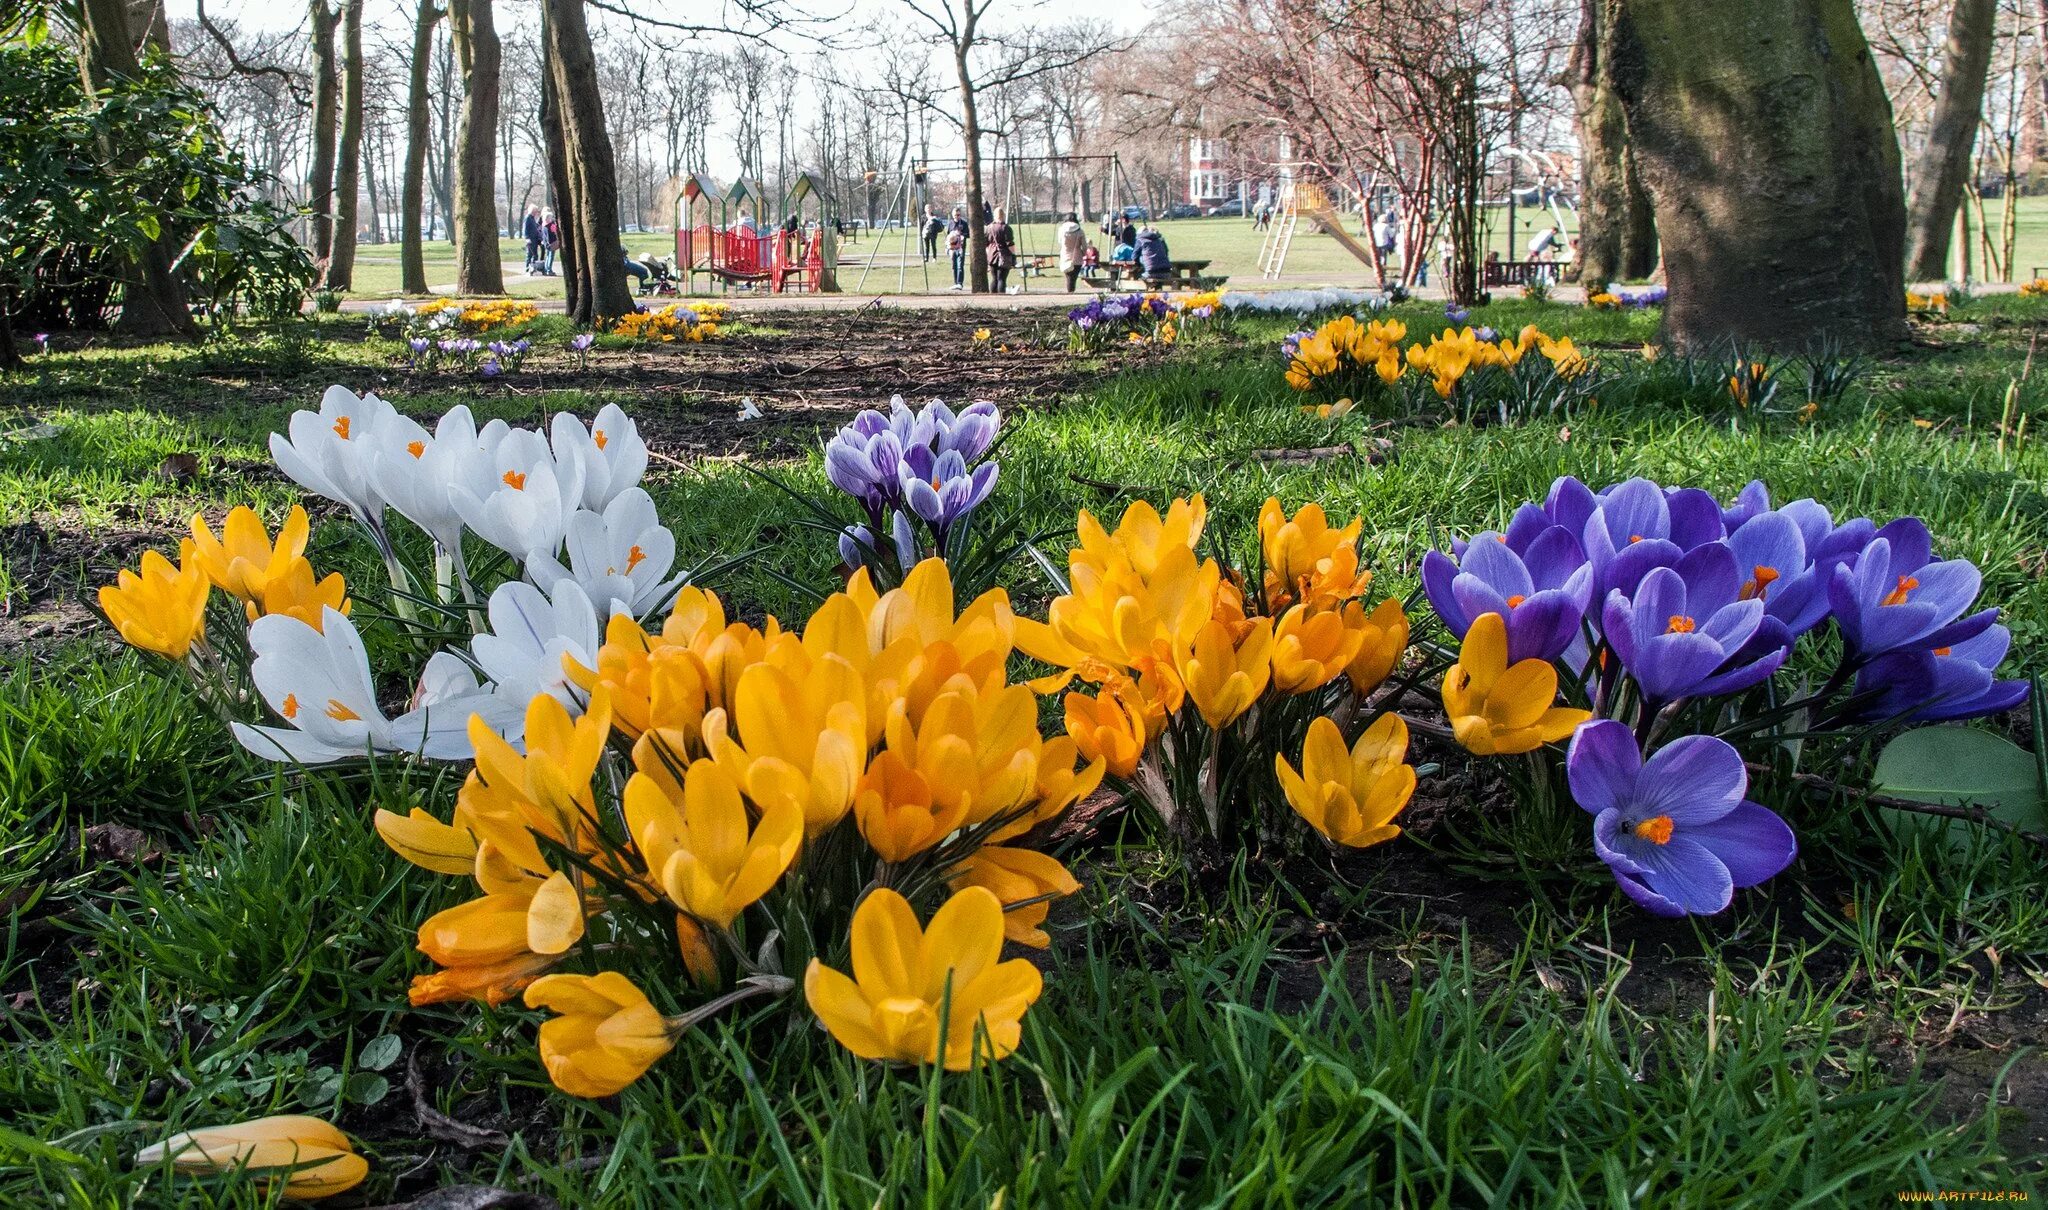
x,y
806,184
744,190
700,184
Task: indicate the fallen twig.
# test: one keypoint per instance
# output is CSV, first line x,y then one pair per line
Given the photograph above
x,y
1816,784
439,1125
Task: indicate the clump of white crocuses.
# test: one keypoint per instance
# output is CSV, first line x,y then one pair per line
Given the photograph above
x,y
538,539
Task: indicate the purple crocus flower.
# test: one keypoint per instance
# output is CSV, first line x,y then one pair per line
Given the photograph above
x,y
1897,597
582,341
490,368
1635,526
1687,631
1677,830
1538,582
1948,682
1753,499
1770,556
1487,334
1455,313
940,489
862,460
42,340
419,346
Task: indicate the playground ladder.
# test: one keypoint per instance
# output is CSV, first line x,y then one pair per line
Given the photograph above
x,y
1273,248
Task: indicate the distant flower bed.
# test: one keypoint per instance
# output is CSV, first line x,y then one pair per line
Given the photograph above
x,y
691,323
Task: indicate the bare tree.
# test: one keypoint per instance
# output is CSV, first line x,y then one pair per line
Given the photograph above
x,y
341,261
1940,171
412,255
585,178
478,267
326,106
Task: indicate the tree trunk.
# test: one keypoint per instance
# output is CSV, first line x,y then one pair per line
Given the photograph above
x,y
348,156
1617,225
326,102
970,134
1944,161
412,256
478,264
152,297
1765,138
588,205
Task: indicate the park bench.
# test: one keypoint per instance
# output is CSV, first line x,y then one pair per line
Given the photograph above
x,y
1519,272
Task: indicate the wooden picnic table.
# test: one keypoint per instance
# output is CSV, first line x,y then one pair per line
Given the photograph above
x,y
1186,275
1520,272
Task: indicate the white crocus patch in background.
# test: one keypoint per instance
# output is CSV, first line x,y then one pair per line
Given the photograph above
x,y
318,683
530,633
610,452
621,557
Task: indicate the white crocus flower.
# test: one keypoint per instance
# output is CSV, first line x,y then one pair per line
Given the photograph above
x,y
619,557
413,471
513,493
530,633
610,451
328,452
318,681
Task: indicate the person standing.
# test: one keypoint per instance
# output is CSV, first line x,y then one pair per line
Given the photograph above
x,y
1543,250
1002,250
531,230
933,228
956,243
1385,231
1073,249
550,242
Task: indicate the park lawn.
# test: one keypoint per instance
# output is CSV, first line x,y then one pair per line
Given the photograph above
x,y
1469,1015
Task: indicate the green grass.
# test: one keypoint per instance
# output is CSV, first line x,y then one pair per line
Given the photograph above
x,y
1230,243
1446,1026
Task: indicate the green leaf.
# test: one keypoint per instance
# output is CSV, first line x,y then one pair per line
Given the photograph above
x,y
1962,766
368,1088
148,225
380,1052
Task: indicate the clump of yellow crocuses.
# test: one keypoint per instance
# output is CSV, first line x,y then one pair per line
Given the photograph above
x,y
735,802
1204,676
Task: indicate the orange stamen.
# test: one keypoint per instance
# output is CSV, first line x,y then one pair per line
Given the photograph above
x,y
341,428
598,436
1897,596
1679,624
416,448
290,709
1515,600
1656,829
1761,579
515,481
633,558
1941,651
340,713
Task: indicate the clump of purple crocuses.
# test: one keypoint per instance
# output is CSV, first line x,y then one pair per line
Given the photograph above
x,y
1110,318
1670,614
510,354
580,345
918,474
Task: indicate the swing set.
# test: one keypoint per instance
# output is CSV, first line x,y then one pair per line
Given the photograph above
x,y
917,193
719,237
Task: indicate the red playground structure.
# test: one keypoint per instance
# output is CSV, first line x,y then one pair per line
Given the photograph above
x,y
719,236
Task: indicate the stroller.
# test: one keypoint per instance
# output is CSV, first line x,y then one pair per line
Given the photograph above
x,y
661,280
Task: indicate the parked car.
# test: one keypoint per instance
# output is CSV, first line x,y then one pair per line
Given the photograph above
x,y
1184,210
1230,209
1135,214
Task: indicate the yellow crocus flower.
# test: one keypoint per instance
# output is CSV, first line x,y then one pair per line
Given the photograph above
x,y
1311,649
1351,796
1304,555
605,1034
1226,678
1107,728
708,860
162,610
312,1158
293,593
898,815
243,560
912,984
978,751
1383,636
1017,877
1497,710
802,733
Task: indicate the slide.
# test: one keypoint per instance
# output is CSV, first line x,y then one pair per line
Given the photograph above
x,y
1328,222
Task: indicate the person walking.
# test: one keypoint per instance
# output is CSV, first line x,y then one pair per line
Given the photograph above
x,y
1155,263
1002,250
1073,249
1543,249
956,243
933,228
550,242
531,230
